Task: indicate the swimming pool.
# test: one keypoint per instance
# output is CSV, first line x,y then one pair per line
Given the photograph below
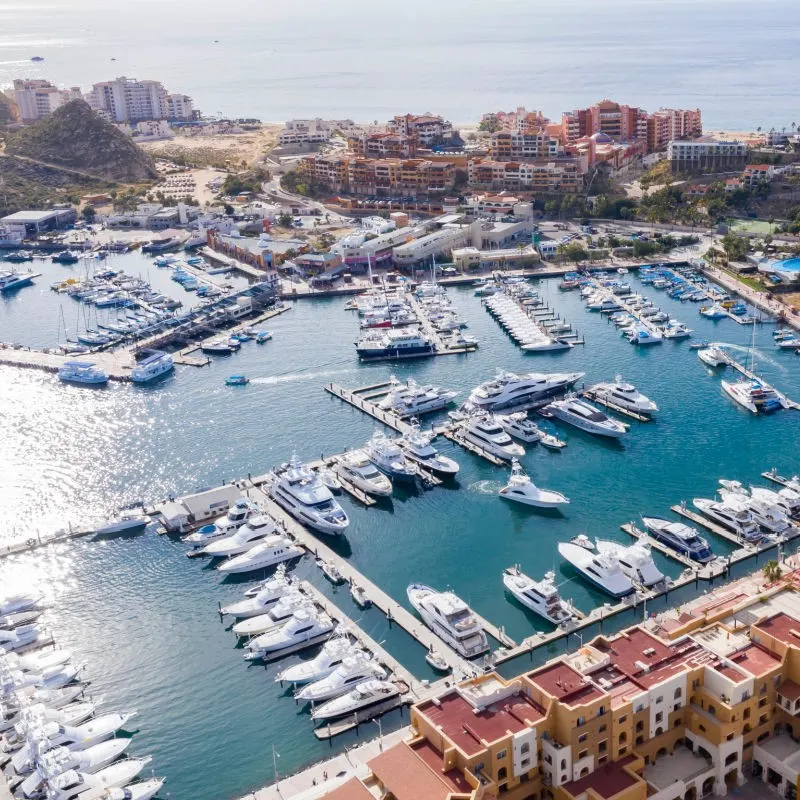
x,y
788,265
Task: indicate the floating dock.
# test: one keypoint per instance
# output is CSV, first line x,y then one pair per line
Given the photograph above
x,y
443,348
117,366
355,399
773,476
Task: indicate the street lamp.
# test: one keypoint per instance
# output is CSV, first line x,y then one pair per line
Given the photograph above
x,y
380,732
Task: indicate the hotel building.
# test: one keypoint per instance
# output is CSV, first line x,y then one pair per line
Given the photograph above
x,y
37,99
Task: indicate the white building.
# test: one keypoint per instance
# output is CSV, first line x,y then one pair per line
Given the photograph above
x,y
38,99
128,100
307,131
687,156
180,107
441,242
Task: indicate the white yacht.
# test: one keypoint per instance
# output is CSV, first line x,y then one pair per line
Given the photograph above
x,y
768,514
274,549
333,652
71,784
356,468
417,446
409,399
754,395
450,618
731,515
508,390
354,670
83,372
14,604
152,366
713,356
519,426
387,455
241,511
786,498
521,489
300,492
587,417
540,597
395,343
625,395
636,561
278,612
366,694
485,432
141,790
268,593
305,625
680,537
643,336
246,538
603,570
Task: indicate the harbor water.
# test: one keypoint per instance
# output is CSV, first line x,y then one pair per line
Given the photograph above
x,y
143,616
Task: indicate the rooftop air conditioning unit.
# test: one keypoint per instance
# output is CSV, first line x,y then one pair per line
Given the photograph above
x,y
642,666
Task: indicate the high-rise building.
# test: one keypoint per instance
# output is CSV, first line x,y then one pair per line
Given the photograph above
x,y
620,122
179,107
37,99
128,100
669,124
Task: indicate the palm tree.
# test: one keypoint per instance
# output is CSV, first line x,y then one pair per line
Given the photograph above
x,y
772,571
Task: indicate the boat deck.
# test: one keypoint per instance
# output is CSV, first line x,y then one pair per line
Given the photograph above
x,y
741,368
590,395
355,399
455,435
712,526
643,536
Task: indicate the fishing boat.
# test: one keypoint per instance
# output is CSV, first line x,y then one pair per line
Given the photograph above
x,y
82,372
436,660
129,522
330,571
521,489
360,596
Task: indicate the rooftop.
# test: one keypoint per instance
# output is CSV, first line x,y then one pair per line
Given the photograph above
x,y
756,660
350,790
607,781
407,776
784,628
434,759
682,765
566,684
634,647
790,690
784,748
33,217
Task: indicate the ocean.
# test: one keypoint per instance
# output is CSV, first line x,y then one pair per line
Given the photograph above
x,y
734,59
144,617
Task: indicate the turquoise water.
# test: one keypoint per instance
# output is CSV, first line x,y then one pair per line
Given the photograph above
x,y
789,265
144,617
366,60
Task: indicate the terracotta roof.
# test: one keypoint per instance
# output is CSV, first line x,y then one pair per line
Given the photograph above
x,y
783,627
403,773
790,690
755,660
350,790
561,681
607,781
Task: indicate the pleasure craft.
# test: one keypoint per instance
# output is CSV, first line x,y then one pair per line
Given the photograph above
x,y
305,625
356,468
587,417
508,390
71,784
540,597
302,494
13,604
333,652
12,280
242,511
329,478
53,698
770,516
755,396
268,593
713,356
713,311
785,498
365,694
37,661
436,660
272,550
152,366
601,569
218,347
679,537
245,538
20,637
10,621
625,395
129,521
330,571
676,330
521,489
417,446
360,596
93,339
141,790
731,515
485,432
387,455
450,618
643,336
519,426
410,399
636,561
600,303
82,372
279,612
354,670
55,677
395,343
551,442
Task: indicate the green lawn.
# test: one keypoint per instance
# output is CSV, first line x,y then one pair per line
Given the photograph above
x,y
759,226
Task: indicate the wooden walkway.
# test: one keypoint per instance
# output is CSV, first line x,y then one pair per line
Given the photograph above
x,y
33,542
454,435
590,395
773,476
354,399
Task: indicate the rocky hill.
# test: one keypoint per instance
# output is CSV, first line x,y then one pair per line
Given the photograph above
x,y
76,138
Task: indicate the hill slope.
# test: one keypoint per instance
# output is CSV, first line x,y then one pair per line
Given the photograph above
x,y
74,136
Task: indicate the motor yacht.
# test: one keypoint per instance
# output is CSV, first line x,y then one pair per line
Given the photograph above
x,y
418,448
786,498
624,395
395,343
20,636
141,790
219,346
541,597
679,537
388,456
302,494
713,311
587,417
731,515
410,400
237,515
13,604
450,618
71,784
305,625
129,521
754,395
675,330
37,661
366,694
600,303
360,596
279,612
521,489
519,426
644,336
82,372
601,569
485,432
273,549
247,537
9,621
354,670
268,593
356,468
508,390
769,515
152,366
713,356
333,652
635,560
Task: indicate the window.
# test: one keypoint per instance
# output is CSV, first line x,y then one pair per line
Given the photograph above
x,y
563,763
639,726
623,750
659,699
678,722
601,711
623,737
602,760
746,714
580,721
603,746
731,759
678,693
659,716
502,774
640,740
762,702
501,754
702,728
763,689
762,719
602,729
548,759
712,710
525,748
695,684
525,763
583,754
730,739
621,720
582,738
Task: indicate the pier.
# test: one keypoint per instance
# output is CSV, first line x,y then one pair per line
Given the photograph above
x,y
443,348
741,368
626,412
773,476
455,435
355,399
117,366
723,533
24,544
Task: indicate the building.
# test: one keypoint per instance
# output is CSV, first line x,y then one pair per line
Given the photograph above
x,y
426,130
519,121
669,124
129,100
756,175
706,155
620,122
31,223
194,509
519,146
180,107
305,131
358,250
37,99
557,175
382,145
440,242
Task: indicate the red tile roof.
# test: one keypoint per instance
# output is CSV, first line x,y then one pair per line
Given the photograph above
x,y
435,760
607,781
561,681
350,790
403,773
784,628
790,690
755,660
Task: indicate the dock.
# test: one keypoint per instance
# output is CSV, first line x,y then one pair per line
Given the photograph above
x,y
773,476
117,366
643,536
355,399
24,544
443,348
741,368
351,722
707,523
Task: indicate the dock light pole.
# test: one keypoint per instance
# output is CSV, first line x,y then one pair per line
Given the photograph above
x,y
380,733
578,634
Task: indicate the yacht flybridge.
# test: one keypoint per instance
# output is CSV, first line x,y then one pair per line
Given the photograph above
x,y
587,417
245,538
485,432
625,395
541,597
508,390
636,561
418,448
601,569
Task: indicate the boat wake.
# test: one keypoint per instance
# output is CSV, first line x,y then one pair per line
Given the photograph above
x,y
273,380
485,487
761,356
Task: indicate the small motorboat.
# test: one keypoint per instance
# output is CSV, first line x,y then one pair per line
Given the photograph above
x,y
360,596
237,380
713,356
699,345
331,571
329,478
521,489
128,523
263,336
436,660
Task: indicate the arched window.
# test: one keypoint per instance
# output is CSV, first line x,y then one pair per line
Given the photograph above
x,y
623,737
678,693
563,763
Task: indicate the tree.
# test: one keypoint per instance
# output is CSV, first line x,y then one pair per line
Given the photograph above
x,y
575,252
285,220
89,212
772,571
736,247
229,209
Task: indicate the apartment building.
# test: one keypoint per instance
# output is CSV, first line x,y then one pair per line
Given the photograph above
x,y
129,100
681,714
426,130
382,145
516,146
669,124
756,175
180,107
37,99
620,122
557,175
706,156
306,131
519,121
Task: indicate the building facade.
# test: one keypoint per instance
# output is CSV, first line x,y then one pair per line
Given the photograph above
x,y
669,124
706,156
129,100
37,99
426,130
557,175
